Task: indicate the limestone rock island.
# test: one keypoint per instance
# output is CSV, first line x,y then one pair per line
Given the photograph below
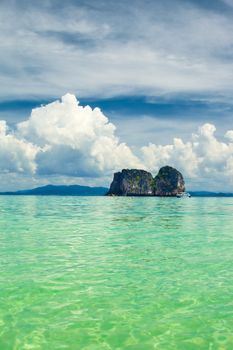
x,y
169,182
132,182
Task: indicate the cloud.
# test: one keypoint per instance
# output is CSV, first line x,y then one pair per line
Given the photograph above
x,y
229,135
65,140
203,159
152,48
16,155
75,140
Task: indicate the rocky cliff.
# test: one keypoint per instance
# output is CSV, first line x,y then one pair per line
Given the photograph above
x,y
133,182
168,182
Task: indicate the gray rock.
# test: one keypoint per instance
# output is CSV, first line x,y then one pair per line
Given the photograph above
x,y
132,182
168,182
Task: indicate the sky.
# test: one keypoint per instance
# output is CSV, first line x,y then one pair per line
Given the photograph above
x,y
91,87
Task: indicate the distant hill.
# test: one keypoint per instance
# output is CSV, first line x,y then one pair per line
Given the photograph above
x,y
77,190
52,190
209,194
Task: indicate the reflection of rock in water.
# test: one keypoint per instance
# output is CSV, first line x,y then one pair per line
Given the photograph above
x,y
130,218
175,259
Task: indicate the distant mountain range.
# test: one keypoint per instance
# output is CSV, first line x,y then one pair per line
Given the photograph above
x,y
52,190
77,190
210,194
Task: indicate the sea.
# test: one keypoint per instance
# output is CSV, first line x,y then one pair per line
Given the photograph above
x,y
102,273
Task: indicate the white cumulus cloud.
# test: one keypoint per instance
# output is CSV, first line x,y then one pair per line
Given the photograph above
x,y
75,140
16,155
204,156
63,139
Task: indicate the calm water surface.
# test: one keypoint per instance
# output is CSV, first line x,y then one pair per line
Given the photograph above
x,y
116,273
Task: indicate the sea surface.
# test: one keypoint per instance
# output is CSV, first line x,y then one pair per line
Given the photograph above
x,y
101,273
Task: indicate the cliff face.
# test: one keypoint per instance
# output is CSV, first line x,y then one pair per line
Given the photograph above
x,y
169,182
133,182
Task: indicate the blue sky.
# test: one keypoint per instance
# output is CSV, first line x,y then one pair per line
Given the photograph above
x,y
158,70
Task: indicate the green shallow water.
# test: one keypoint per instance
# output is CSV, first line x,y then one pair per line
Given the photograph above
x,y
116,273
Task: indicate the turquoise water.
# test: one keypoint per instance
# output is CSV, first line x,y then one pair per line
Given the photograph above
x,y
116,273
